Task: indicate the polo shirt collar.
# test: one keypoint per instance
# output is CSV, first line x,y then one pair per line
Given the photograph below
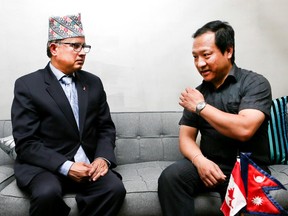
x,y
233,77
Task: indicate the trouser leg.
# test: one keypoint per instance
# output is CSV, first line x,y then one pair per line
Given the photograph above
x,y
46,196
176,187
103,197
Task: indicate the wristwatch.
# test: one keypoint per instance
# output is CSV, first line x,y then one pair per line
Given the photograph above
x,y
200,106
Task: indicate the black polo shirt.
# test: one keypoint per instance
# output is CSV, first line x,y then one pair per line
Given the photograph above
x,y
242,89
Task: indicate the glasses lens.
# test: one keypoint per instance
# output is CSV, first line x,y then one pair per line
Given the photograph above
x,y
86,48
77,47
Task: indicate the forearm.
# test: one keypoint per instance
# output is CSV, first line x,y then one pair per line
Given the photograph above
x,y
189,149
187,143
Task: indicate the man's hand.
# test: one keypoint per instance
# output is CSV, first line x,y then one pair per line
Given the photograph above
x,y
209,172
79,171
190,98
99,168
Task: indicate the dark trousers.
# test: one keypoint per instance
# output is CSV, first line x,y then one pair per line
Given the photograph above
x,y
179,183
102,197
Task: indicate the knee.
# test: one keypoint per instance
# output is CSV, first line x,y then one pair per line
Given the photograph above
x,y
46,195
167,176
118,190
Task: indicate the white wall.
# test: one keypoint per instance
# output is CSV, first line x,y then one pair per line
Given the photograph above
x,y
141,49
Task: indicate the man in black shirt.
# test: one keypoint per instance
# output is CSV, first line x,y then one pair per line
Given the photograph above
x,y
230,109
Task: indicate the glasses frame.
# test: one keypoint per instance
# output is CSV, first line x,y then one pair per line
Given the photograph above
x,y
77,47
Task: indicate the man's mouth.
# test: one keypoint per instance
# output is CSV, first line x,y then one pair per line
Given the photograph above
x,y
80,61
204,72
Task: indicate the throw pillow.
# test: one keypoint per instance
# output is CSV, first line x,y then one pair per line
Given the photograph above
x,y
278,131
7,144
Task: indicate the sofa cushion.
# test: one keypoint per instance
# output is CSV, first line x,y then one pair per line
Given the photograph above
x,y
280,172
7,144
278,131
141,183
17,202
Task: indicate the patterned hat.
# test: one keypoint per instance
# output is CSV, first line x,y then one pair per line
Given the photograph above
x,y
65,27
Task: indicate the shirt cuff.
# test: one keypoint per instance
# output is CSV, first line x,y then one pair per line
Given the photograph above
x,y
65,167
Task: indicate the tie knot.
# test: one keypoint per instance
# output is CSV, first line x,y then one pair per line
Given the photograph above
x,y
66,80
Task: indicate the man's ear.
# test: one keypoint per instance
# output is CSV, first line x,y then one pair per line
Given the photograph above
x,y
230,52
53,49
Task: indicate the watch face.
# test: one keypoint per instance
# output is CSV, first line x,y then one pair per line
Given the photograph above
x,y
200,106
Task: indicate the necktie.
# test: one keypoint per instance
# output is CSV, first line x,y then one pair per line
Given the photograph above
x,y
71,93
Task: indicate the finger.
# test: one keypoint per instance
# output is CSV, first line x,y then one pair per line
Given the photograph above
x,y
104,172
212,181
208,183
220,174
93,169
87,165
95,176
96,167
188,89
182,95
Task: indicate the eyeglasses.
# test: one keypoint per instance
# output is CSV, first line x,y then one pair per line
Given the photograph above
x,y
77,47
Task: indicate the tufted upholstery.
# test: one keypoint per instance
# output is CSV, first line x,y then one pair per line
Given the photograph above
x,y
150,136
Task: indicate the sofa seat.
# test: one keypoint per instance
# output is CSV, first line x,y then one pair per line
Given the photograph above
x,y
16,203
141,183
140,180
280,172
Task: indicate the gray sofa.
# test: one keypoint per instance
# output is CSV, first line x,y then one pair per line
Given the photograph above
x,y
146,143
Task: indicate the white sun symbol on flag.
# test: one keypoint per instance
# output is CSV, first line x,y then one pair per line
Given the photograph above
x,y
257,201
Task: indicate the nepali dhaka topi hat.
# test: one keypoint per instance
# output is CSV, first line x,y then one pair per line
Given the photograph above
x,y
65,27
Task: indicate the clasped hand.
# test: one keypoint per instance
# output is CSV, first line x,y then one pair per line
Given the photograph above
x,y
81,171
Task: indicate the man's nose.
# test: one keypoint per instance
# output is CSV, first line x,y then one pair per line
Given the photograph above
x,y
201,62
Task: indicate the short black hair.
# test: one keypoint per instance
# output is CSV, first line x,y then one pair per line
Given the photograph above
x,y
224,35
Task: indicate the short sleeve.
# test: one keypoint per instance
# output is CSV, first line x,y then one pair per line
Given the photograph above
x,y
256,92
189,119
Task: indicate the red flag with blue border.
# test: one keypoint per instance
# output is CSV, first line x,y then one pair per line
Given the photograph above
x,y
257,184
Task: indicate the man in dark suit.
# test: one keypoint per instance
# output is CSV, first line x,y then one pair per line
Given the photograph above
x,y
64,133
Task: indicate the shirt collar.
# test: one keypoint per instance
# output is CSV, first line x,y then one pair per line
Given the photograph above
x,y
231,78
234,73
57,72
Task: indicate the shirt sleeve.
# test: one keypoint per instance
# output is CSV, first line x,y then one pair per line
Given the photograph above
x,y
256,94
65,167
189,119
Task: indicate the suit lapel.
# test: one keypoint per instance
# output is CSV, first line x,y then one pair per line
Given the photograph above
x,y
57,93
82,91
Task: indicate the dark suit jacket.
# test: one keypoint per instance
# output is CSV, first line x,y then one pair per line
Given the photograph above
x,y
45,130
